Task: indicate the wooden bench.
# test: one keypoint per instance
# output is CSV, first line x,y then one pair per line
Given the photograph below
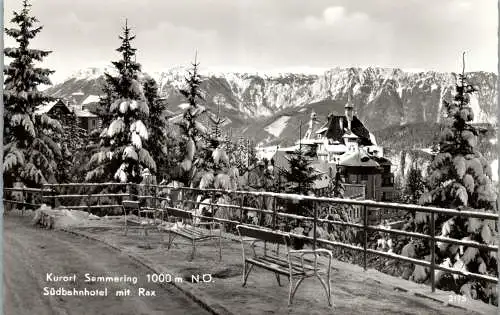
x,y
293,264
195,232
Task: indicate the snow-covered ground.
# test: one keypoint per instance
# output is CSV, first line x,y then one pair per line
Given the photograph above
x,y
277,127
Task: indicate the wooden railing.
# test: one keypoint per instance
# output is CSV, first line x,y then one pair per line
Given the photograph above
x,y
365,227
187,203
23,198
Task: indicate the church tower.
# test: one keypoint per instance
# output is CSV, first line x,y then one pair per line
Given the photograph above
x,y
350,139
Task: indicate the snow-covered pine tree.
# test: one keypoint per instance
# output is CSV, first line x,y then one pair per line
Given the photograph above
x,y
460,178
122,154
161,142
213,167
30,151
193,132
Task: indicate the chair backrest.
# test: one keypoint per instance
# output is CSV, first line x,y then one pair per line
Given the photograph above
x,y
264,235
130,204
179,213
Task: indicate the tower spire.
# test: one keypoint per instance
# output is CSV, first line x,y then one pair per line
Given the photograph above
x,y
349,111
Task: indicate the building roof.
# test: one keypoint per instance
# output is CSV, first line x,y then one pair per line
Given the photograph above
x,y
336,129
91,99
382,160
46,107
322,129
355,159
84,113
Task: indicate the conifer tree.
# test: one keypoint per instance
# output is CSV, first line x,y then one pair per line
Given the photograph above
x,y
105,101
459,178
161,141
30,151
122,154
73,146
414,185
299,178
193,132
338,186
301,175
214,169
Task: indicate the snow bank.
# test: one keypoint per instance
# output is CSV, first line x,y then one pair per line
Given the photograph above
x,y
50,218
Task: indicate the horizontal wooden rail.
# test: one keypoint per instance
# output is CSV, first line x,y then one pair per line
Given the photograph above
x,y
91,207
86,196
404,258
28,190
22,203
368,203
87,184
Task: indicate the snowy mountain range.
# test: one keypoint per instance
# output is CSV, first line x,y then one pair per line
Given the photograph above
x,y
271,107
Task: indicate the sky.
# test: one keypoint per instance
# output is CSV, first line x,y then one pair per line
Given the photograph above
x,y
268,35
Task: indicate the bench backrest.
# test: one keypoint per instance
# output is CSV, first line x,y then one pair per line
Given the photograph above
x,y
131,205
179,213
264,235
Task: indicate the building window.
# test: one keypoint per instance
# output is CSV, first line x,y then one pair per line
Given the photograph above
x,y
353,179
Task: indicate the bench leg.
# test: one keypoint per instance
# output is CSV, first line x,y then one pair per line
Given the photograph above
x,y
278,278
170,240
327,287
162,243
293,289
125,218
246,273
146,238
220,246
193,251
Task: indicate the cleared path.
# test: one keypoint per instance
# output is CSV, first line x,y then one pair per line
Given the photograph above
x,y
32,253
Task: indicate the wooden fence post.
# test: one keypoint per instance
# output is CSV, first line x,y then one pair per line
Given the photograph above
x,y
88,202
155,202
99,211
274,213
212,200
43,195
262,215
433,250
242,200
365,230
155,197
22,200
53,197
41,198
315,214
